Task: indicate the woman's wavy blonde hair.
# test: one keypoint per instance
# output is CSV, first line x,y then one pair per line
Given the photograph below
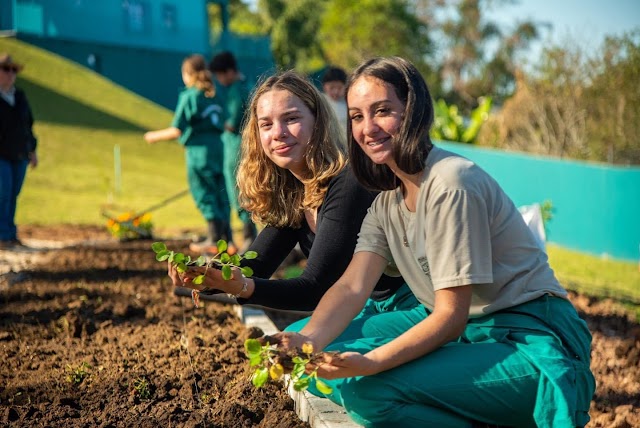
x,y
273,195
195,67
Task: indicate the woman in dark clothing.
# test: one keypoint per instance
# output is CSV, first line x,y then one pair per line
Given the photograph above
x,y
17,148
294,178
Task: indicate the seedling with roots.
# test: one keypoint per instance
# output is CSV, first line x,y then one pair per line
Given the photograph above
x,y
222,261
272,363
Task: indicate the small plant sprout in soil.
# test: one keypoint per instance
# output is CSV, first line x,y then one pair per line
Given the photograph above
x,y
76,375
271,362
222,261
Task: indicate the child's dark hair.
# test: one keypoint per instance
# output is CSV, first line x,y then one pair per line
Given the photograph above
x,y
334,74
222,62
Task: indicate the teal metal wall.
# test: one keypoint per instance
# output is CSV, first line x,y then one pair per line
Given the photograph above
x,y
168,25
596,207
152,74
6,15
138,44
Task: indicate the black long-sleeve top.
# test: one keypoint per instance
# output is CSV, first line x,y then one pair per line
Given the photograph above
x,y
16,133
328,251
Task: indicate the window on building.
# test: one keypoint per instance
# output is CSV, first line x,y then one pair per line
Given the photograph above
x,y
136,16
169,17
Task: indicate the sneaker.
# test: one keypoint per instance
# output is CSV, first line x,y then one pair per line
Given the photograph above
x,y
231,249
12,244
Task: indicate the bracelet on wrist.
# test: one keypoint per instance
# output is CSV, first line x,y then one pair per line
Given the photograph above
x,y
244,288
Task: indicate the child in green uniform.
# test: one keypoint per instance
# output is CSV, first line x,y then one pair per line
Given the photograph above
x,y
198,123
225,70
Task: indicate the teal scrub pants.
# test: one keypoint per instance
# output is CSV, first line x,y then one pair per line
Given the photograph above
x,y
526,366
400,305
206,182
231,143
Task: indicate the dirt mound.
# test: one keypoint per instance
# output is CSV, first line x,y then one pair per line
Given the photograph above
x,y
91,335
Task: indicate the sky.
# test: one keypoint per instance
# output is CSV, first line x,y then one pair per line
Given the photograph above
x,y
584,21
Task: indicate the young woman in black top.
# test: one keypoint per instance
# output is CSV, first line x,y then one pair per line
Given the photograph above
x,y
294,178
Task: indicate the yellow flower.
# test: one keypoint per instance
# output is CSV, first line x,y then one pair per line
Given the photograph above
x,y
307,348
125,216
276,371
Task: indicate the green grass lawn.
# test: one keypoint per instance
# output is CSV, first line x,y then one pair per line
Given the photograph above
x,y
596,276
81,117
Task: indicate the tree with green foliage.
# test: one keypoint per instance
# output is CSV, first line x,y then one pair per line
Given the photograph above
x,y
612,100
576,104
353,31
475,56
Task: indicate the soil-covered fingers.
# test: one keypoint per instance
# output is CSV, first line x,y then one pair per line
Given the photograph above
x,y
173,273
346,364
289,340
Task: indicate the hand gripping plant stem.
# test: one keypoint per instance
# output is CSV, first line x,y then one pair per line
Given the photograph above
x,y
270,362
222,260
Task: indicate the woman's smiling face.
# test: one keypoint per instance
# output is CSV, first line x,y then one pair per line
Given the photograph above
x,y
376,114
285,126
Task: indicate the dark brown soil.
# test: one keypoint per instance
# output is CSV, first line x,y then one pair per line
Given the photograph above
x,y
91,335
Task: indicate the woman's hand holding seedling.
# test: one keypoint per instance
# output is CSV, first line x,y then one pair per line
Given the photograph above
x,y
201,274
346,364
329,365
273,361
212,279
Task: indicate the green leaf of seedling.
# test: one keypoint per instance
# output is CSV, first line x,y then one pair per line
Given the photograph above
x,y
171,256
246,271
323,387
235,260
226,272
162,255
158,247
297,371
181,267
250,255
255,360
298,360
252,346
201,261
222,246
301,384
224,258
260,377
179,258
198,279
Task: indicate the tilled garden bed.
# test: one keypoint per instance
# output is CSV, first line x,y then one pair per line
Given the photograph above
x,y
92,335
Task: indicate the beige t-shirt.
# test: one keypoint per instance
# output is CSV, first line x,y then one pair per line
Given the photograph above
x,y
465,231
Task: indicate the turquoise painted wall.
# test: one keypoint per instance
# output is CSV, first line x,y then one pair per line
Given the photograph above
x,y
596,206
168,25
6,15
138,44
